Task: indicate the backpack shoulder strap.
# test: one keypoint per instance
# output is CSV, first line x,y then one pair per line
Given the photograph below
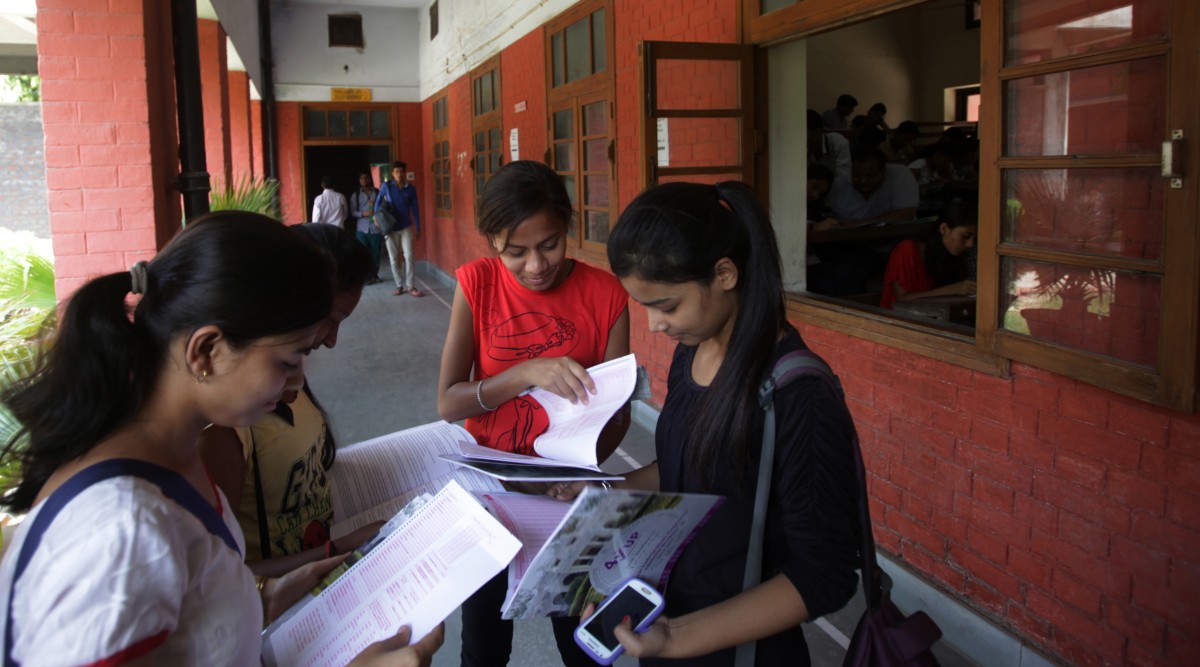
x,y
172,484
796,364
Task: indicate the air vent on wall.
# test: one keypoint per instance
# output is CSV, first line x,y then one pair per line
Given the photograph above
x,y
346,30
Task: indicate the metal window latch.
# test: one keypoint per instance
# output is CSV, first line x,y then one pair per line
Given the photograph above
x,y
1172,159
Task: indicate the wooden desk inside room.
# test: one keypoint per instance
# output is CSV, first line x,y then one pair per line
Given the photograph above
x,y
891,230
960,309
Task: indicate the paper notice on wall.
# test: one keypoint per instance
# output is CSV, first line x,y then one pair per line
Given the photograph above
x,y
664,144
514,145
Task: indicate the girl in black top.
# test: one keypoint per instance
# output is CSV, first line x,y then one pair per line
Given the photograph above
x,y
703,261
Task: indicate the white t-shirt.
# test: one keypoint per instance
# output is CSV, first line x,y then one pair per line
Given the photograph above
x,y
123,571
898,191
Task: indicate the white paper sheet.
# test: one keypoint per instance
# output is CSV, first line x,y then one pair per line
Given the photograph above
x,y
416,576
374,479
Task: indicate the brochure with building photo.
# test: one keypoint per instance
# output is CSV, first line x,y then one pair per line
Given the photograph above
x,y
580,552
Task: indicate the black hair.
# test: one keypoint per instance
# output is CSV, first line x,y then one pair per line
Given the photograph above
x,y
815,122
820,172
943,267
242,272
676,233
351,267
398,164
351,260
518,190
327,181
908,126
846,100
880,107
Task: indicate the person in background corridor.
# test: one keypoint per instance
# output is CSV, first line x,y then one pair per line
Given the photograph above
x,y
362,203
330,206
402,198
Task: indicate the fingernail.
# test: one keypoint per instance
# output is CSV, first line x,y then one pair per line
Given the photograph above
x,y
625,619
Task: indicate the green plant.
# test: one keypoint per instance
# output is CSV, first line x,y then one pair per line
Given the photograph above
x,y
28,309
254,194
20,88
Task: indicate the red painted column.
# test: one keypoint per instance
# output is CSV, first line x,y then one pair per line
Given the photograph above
x,y
111,148
239,126
256,138
215,90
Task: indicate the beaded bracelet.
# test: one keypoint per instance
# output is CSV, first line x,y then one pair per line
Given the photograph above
x,y
479,397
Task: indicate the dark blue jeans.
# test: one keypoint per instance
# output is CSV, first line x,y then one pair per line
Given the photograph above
x,y
487,638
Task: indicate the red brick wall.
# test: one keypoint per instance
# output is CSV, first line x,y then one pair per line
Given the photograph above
x,y
104,101
290,158
523,80
452,241
256,138
1066,512
214,85
239,126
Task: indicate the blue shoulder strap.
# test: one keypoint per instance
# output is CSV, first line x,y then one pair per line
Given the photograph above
x,y
172,484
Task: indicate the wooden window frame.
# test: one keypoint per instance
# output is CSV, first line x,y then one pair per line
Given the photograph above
x,y
1173,383
441,135
326,107
589,88
485,121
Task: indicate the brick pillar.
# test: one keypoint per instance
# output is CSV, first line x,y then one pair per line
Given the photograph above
x,y
214,88
108,105
256,138
239,126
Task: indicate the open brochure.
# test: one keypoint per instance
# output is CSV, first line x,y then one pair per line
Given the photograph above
x,y
567,449
577,553
374,479
416,572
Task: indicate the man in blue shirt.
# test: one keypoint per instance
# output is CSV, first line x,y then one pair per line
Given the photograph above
x,y
401,197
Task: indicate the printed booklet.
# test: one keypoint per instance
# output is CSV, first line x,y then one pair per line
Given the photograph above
x,y
577,553
423,564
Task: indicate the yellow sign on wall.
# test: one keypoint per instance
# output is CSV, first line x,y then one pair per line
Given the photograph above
x,y
350,94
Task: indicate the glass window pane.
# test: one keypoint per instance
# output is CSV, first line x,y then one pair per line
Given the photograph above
x,y
379,124
697,84
495,161
480,142
556,47
772,5
597,226
314,124
1114,212
1040,30
494,138
481,163
579,62
1114,313
337,123
564,157
595,118
488,94
599,54
569,182
595,155
595,191
1118,108
358,123
564,122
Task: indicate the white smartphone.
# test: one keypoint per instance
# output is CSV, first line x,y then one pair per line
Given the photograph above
x,y
636,599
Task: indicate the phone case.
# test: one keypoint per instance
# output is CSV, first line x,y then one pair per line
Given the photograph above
x,y
654,613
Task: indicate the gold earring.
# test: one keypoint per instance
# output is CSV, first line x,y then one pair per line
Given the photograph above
x,y
202,377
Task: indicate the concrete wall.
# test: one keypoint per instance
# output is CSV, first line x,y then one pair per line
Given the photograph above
x,y
23,169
